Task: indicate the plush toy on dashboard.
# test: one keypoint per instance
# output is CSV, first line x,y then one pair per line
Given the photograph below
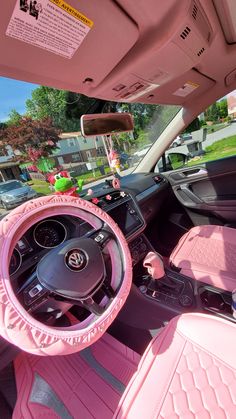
x,y
52,177
65,186
62,183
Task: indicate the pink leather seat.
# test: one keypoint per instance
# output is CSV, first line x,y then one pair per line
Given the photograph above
x,y
188,371
208,254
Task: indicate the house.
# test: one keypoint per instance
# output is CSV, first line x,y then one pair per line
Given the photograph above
x,y
231,100
74,148
9,170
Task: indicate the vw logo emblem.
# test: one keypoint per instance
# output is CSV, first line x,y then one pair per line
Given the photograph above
x,y
76,260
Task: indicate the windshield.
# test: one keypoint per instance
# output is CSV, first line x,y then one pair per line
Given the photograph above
x,y
9,186
43,136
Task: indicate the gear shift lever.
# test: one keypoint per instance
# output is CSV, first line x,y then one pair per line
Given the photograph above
x,y
154,265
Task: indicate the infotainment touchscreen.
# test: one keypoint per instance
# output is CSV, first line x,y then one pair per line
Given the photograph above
x,y
126,217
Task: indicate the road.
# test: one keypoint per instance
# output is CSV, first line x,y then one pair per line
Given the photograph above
x,y
211,138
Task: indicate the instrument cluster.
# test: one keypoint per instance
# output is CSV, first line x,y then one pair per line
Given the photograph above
x,y
46,234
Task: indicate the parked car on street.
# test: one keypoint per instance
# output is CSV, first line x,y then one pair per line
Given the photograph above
x,y
186,137
13,193
177,141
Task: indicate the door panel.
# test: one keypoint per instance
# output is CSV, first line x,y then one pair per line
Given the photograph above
x,y
209,188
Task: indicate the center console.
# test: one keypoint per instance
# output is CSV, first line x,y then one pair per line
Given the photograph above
x,y
122,207
127,215
215,301
176,294
173,290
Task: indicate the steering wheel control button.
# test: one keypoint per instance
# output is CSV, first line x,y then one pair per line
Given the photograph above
x,y
102,238
35,291
76,260
99,238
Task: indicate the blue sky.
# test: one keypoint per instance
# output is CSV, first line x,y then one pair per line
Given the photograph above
x,y
13,95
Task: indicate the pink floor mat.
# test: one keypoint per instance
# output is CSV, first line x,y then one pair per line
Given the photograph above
x,y
88,384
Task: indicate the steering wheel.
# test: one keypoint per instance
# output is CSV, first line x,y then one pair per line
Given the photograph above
x,y
74,273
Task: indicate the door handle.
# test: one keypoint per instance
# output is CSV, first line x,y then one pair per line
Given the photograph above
x,y
194,198
200,172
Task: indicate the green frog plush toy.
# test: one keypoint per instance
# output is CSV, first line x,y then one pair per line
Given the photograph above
x,y
65,186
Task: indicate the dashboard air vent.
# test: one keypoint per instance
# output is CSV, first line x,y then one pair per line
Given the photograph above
x,y
111,198
194,11
185,32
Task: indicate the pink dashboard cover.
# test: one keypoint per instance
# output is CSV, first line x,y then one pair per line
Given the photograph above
x,y
18,326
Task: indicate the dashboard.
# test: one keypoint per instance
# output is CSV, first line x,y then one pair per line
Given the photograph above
x,y
131,207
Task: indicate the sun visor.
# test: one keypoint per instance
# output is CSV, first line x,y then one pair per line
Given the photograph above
x,y
63,43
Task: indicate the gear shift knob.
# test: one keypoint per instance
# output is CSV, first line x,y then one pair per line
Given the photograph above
x,y
154,265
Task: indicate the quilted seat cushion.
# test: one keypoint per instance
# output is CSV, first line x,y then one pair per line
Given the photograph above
x,y
188,371
208,254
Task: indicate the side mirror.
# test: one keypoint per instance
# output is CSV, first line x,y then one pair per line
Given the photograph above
x,y
171,161
176,160
106,124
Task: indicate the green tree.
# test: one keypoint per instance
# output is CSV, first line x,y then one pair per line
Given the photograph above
x,y
222,107
212,113
194,126
63,107
13,118
47,102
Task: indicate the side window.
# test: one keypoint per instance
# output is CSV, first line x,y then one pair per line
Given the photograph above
x,y
211,136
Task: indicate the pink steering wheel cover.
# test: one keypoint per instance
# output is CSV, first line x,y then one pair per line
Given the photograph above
x,y
19,327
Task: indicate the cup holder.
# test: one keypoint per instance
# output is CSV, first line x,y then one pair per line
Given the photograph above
x,y
215,301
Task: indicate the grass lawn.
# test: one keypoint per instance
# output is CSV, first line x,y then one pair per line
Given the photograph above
x,y
40,186
218,150
215,127
89,177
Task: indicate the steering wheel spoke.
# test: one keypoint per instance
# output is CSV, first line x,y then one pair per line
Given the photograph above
x,y
108,290
92,306
102,236
32,293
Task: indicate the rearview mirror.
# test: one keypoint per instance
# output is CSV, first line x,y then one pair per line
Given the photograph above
x,y
106,123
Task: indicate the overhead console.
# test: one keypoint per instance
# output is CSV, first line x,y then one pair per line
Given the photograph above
x,y
166,74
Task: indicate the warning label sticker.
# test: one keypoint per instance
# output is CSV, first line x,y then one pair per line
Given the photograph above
x,y
53,25
186,89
